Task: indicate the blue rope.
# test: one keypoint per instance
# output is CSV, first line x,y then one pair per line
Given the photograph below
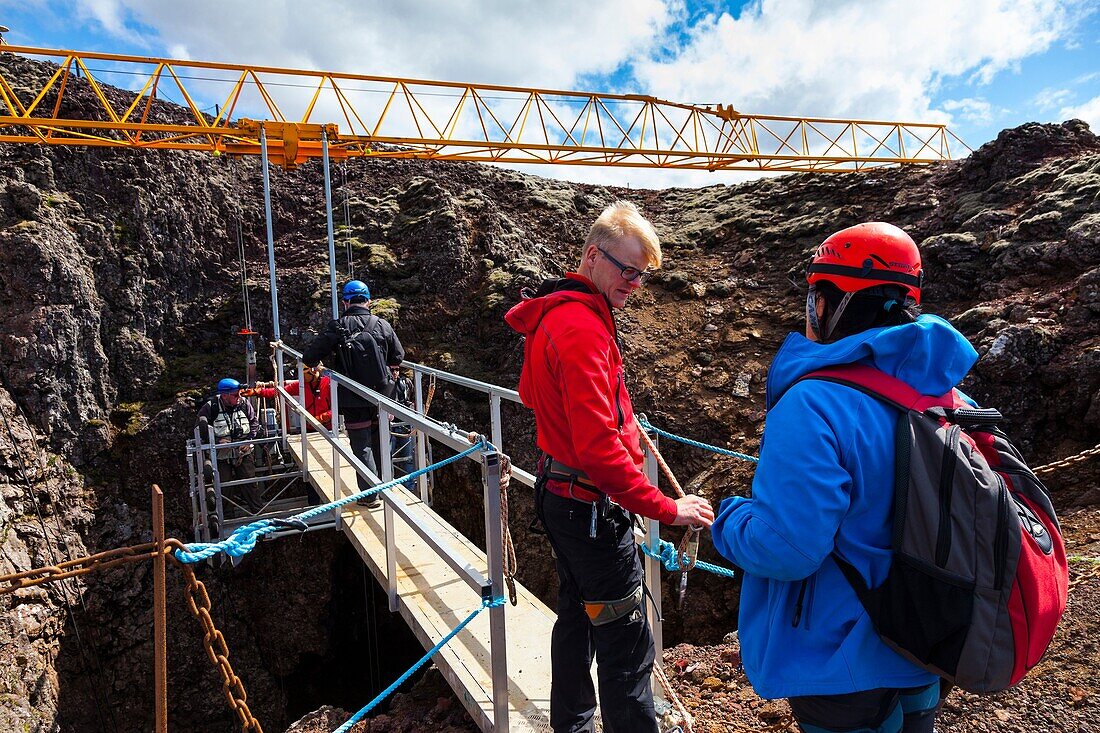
x,y
696,444
670,558
487,603
244,538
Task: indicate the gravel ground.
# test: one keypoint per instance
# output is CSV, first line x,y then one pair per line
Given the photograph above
x,y
1059,694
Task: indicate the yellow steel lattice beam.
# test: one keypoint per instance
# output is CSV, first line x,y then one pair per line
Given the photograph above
x,y
217,108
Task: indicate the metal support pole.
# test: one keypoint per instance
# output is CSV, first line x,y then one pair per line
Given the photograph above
x,y
276,330
652,566
334,433
160,618
337,484
386,468
384,454
494,555
421,441
391,554
302,422
495,424
219,508
328,219
202,531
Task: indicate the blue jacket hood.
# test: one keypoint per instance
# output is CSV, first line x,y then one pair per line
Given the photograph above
x,y
929,355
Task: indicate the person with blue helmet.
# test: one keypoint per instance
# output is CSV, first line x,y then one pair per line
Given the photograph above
x,y
355,289
233,420
823,492
368,351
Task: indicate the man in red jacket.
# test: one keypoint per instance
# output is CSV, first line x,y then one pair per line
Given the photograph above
x,y
318,394
590,477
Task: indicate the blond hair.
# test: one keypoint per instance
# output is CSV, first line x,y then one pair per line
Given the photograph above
x,y
622,219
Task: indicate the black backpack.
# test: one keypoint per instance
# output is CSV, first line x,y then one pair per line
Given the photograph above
x,y
361,357
978,580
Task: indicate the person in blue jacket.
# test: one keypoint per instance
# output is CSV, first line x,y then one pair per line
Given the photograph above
x,y
824,486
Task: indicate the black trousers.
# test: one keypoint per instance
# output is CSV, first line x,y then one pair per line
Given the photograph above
x,y
246,494
601,569
364,441
885,710
364,444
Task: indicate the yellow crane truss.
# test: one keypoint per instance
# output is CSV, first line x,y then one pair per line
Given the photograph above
x,y
111,100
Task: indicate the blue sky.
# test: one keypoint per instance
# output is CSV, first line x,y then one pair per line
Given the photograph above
x,y
980,65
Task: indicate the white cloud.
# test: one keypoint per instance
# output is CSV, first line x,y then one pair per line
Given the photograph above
x,y
112,16
532,42
851,58
1089,112
972,110
1050,98
843,58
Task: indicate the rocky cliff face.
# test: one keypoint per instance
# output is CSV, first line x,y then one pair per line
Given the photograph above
x,y
119,298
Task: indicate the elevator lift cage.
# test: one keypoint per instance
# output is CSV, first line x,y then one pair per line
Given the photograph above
x,y
217,507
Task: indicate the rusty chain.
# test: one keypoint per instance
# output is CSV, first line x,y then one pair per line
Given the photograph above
x,y
198,601
73,568
1076,458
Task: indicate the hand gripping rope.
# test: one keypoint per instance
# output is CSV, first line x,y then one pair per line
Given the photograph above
x,y
243,540
686,559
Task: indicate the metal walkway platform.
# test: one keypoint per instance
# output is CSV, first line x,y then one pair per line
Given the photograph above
x,y
433,599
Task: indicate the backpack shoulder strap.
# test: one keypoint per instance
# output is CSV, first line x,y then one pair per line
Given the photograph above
x,y
881,385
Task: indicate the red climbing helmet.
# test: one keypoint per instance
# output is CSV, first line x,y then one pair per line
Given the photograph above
x,y
866,255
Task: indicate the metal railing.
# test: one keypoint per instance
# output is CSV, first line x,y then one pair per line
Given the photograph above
x,y
488,584
210,524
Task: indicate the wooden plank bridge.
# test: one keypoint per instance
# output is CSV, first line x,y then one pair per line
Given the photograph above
x,y
433,599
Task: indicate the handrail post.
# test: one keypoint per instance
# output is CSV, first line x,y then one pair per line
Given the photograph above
x,y
421,440
334,434
160,618
494,555
386,467
495,425
219,508
198,490
303,424
652,566
385,458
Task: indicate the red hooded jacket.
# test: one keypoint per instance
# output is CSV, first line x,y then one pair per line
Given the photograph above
x,y
573,379
318,402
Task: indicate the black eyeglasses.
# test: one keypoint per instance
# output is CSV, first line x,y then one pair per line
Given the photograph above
x,y
630,274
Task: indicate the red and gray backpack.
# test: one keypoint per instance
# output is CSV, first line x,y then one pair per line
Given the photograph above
x,y
978,579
